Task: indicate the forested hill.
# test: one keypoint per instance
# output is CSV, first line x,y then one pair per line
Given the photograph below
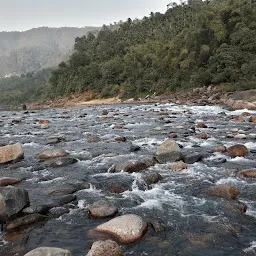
x,y
32,50
193,44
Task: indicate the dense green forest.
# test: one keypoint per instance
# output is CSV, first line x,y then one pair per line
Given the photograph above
x,y
31,87
193,44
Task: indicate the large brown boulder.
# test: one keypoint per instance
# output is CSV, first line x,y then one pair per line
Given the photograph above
x,y
48,251
249,173
238,150
12,201
11,153
168,151
48,154
102,209
103,248
6,181
252,119
130,166
127,228
224,191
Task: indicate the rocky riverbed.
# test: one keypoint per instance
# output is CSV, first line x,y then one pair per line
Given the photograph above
x,y
148,179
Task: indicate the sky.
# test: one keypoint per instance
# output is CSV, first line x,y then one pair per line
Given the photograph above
x,y
21,15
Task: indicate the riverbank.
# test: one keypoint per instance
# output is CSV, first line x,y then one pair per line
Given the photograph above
x,y
210,95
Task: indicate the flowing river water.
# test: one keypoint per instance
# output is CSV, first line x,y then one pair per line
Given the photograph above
x,y
194,222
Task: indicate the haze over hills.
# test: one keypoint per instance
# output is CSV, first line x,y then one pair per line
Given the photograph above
x,y
35,49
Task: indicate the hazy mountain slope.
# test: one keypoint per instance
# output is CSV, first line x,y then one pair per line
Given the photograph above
x,y
23,52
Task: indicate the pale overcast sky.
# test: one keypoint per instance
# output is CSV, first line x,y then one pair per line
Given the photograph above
x,y
20,15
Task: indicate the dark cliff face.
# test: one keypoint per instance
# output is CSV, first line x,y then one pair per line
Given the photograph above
x,y
32,50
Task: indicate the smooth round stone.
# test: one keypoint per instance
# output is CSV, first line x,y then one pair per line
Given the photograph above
x,y
48,251
103,248
238,150
127,228
102,209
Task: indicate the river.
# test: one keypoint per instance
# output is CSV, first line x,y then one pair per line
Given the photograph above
x,y
194,223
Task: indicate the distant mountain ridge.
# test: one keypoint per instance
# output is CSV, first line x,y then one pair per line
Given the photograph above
x,y
38,48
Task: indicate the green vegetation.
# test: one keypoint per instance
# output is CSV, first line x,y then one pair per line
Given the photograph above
x,y
31,87
194,44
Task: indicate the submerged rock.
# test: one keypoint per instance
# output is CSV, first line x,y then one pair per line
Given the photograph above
x,y
127,228
52,154
219,149
179,166
103,248
224,191
193,158
11,153
152,178
252,119
12,201
61,161
249,173
201,125
48,251
25,221
129,166
169,151
102,209
238,150
41,209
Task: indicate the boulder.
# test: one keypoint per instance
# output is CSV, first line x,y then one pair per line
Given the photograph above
x,y
179,166
44,126
48,251
93,139
169,151
201,125
238,150
249,173
11,153
41,209
239,119
120,139
225,191
240,136
252,119
192,158
54,140
48,154
129,166
104,112
60,191
127,228
157,226
204,136
12,201
134,148
103,248
43,122
61,161
116,188
25,221
220,149
152,178
6,181
102,209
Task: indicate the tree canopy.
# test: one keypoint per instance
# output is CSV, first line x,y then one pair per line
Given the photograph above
x,y
193,44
